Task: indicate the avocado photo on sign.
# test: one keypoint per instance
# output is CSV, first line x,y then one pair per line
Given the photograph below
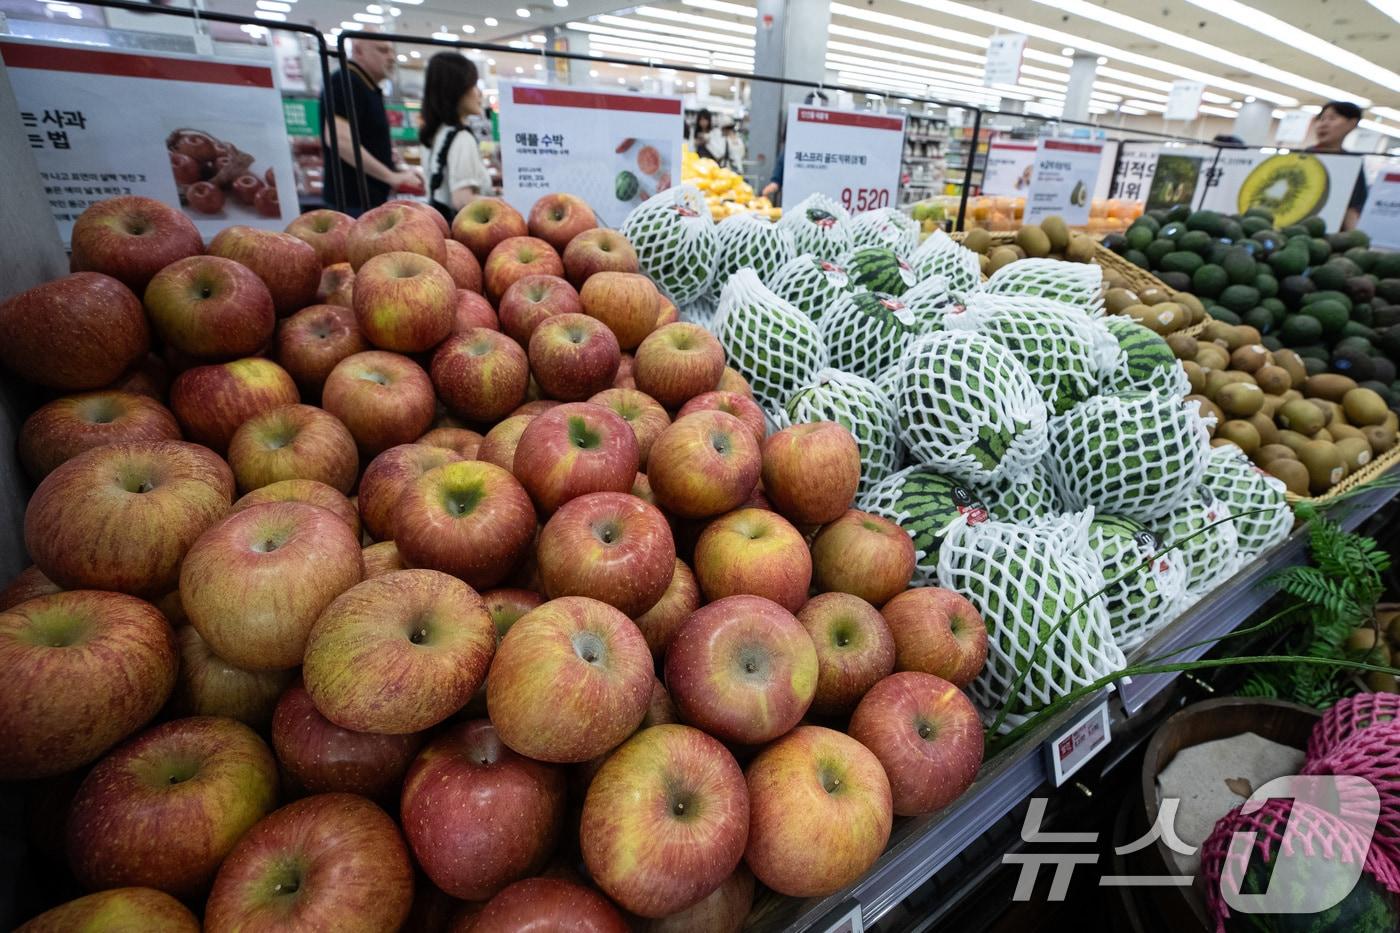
x,y
1174,182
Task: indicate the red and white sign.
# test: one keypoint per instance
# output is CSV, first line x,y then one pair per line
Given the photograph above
x,y
1009,164
1381,216
851,156
1063,179
98,122
613,149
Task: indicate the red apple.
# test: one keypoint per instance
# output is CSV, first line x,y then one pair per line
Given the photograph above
x,y
732,381
514,258
724,910
641,488
427,210
200,146
83,670
388,475
480,375
864,555
573,356
626,302
558,218
321,757
164,809
404,302
570,681
660,623
310,491
383,398
572,450
740,406
381,558
210,686
624,378
121,517
754,552
660,710
536,405
144,909
205,197
463,441
149,376
819,812
212,402
598,250
498,446
293,442
937,631
132,238
533,299
337,285
668,313
394,228
610,546
463,267
472,310
267,204
184,168
329,862
289,267
506,606
77,332
646,416
678,362
246,188
477,815
703,464
311,342
29,583
66,427
855,650
485,222
548,904
810,471
325,231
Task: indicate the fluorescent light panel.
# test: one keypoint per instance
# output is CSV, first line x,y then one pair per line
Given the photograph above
x,y
676,16
639,25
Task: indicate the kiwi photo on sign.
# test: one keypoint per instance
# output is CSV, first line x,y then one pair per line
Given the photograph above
x,y
1291,185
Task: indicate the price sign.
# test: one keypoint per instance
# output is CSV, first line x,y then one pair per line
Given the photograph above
x,y
1071,750
1184,100
1009,165
1063,179
850,156
1381,216
1004,53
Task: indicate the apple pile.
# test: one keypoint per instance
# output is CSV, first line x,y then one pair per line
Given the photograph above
x,y
391,574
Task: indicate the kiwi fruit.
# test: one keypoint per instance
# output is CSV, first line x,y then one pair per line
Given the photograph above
x,y
1239,399
1208,410
1183,346
1293,364
1162,318
1329,386
1248,334
1212,357
1034,241
1381,682
1192,304
1250,358
1293,440
1195,374
1080,249
1118,300
1326,468
1392,421
1301,416
1240,433
1153,295
984,263
1002,256
1380,437
1219,330
1272,403
1355,451
1364,407
1293,473
1328,412
1369,643
977,240
1272,378
1264,424
1292,395
1271,452
1338,430
1216,380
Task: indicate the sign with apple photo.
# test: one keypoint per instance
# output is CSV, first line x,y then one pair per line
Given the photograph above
x,y
216,147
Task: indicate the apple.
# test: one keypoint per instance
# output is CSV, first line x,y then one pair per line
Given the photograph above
x,y
144,909
533,299
394,228
484,223
207,685
624,378
132,238
337,285
29,583
320,757
383,398
149,376
66,427
740,406
641,488
536,406
668,313
83,670
254,584
77,332
626,302
293,442
267,204
660,623
164,809
937,631
463,441
288,266
855,650
724,910
558,218
498,446
184,168
703,464
200,146
477,815
404,302
865,555
326,232
573,356
205,197
677,362
211,402
514,258
121,517
572,450
471,310
381,558
642,412
598,250
754,552
548,904
311,342
463,266
811,471
427,210
246,188
388,475
570,681
610,546
310,491
732,381
819,812
328,862
480,375
506,606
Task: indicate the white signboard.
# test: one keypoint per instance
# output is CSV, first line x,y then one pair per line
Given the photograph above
x,y
1381,215
1004,53
612,149
1137,163
1063,180
103,123
850,156
1239,173
1184,100
1293,127
1009,163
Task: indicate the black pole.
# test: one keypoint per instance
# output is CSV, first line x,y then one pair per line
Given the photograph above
x,y
967,169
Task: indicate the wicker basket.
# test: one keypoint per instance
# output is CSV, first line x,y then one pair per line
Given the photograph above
x,y
1373,470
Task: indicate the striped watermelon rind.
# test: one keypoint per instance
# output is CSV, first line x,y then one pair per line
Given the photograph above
x,y
924,503
879,269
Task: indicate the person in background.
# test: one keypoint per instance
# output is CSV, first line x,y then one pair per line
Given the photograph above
x,y
370,63
451,155
773,191
730,151
700,135
1331,126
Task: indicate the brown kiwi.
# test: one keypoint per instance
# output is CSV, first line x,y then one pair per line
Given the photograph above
x,y
1292,439
1381,682
1328,412
1273,379
1250,358
1183,346
1364,407
1292,395
1216,380
1192,304
1117,300
1208,409
1380,437
1271,452
1392,421
1113,280
1195,374
1241,433
1154,295
1162,318
977,240
1293,364
984,263
1034,241
1325,465
1339,431
1355,451
1020,253
1292,472
1272,403
1219,330
1328,386
1248,334
1080,249
1056,231
1212,357
1002,256
1240,399
1264,424
1322,434
1301,416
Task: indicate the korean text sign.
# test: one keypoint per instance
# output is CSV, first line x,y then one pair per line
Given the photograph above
x,y
852,157
1381,216
1063,180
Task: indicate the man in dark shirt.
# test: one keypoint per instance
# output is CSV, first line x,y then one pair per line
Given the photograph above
x,y
1331,126
370,62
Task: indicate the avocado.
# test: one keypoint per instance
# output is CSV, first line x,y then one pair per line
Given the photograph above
x,y
1354,328
1225,315
1180,261
1266,283
1314,365
1252,225
1329,277
1157,249
1388,339
1339,297
1353,362
1363,314
1138,236
1116,242
1289,262
1293,289
1315,225
1319,251
1332,315
1293,230
1389,289
1384,315
1177,212
1300,330
1259,318
1240,267
1209,221
1346,265
1217,252
1171,231
1364,258
1137,258
1178,281
1383,369
1197,241
1270,241
1208,281
1360,289
1240,298
1387,265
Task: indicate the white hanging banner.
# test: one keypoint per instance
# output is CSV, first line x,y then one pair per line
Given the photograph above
x,y
1063,180
1293,126
1004,54
1381,216
850,156
1184,100
1009,164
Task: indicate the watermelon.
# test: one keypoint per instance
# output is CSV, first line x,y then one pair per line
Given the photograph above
x,y
1147,363
1025,499
1140,597
879,269
1075,283
1201,536
924,503
747,240
940,255
626,186
674,238
863,409
811,284
773,345
866,333
820,228
1256,499
886,226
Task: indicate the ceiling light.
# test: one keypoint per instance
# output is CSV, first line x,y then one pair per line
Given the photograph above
x,y
561,3
273,5
1101,60
249,28
65,9
537,37
1067,51
395,11
348,24
374,8
368,18
519,70
1381,128
521,12
415,54
445,36
708,22
721,6
490,21
1390,8
468,28
1220,112
402,58
539,68
412,2
630,23
621,80
267,14
490,61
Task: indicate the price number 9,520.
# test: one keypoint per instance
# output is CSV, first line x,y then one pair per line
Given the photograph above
x,y
864,199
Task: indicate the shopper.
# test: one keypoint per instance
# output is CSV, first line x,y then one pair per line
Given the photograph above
x,y
370,63
728,147
451,155
773,191
1331,127
700,134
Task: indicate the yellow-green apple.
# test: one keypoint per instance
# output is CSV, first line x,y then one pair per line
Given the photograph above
x,y
480,375
320,757
337,285
558,218
646,416
498,446
740,406
937,631
29,583
132,238
855,649
811,471
641,488
598,250
723,910
743,669
865,555
732,381
288,266
610,546
548,904
211,402
66,427
484,222
148,376
533,299
388,475
677,362
660,623
463,441
427,210
507,605
293,442
399,653
164,809
254,584
83,670
665,820
514,258
463,267
394,228
468,518
819,812
754,552
326,232
383,398
311,342
928,736
381,558
121,517
477,815
570,681
310,491
77,332
572,450
668,313
144,909
624,378
404,302
472,310
626,302
208,685
703,464
573,356
328,862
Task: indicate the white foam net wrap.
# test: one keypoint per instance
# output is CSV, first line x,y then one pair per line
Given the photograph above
x,y
940,255
1145,587
885,226
810,284
968,408
1134,454
1025,580
1246,490
925,504
879,269
1076,283
1204,540
1022,499
674,237
866,412
929,299
700,310
866,333
772,344
1145,363
820,227
748,240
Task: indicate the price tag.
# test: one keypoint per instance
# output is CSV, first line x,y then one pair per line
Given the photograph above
x,y
1086,737
1381,216
845,918
1063,179
849,156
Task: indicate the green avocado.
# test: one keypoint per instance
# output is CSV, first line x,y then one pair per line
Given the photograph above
x,y
1299,330
1197,241
1209,221
1158,249
1139,235
1332,315
1266,283
1329,277
1240,267
1182,261
1240,298
1209,281
1289,261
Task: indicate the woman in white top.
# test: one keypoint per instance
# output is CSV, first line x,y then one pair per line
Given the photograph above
x,y
451,159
